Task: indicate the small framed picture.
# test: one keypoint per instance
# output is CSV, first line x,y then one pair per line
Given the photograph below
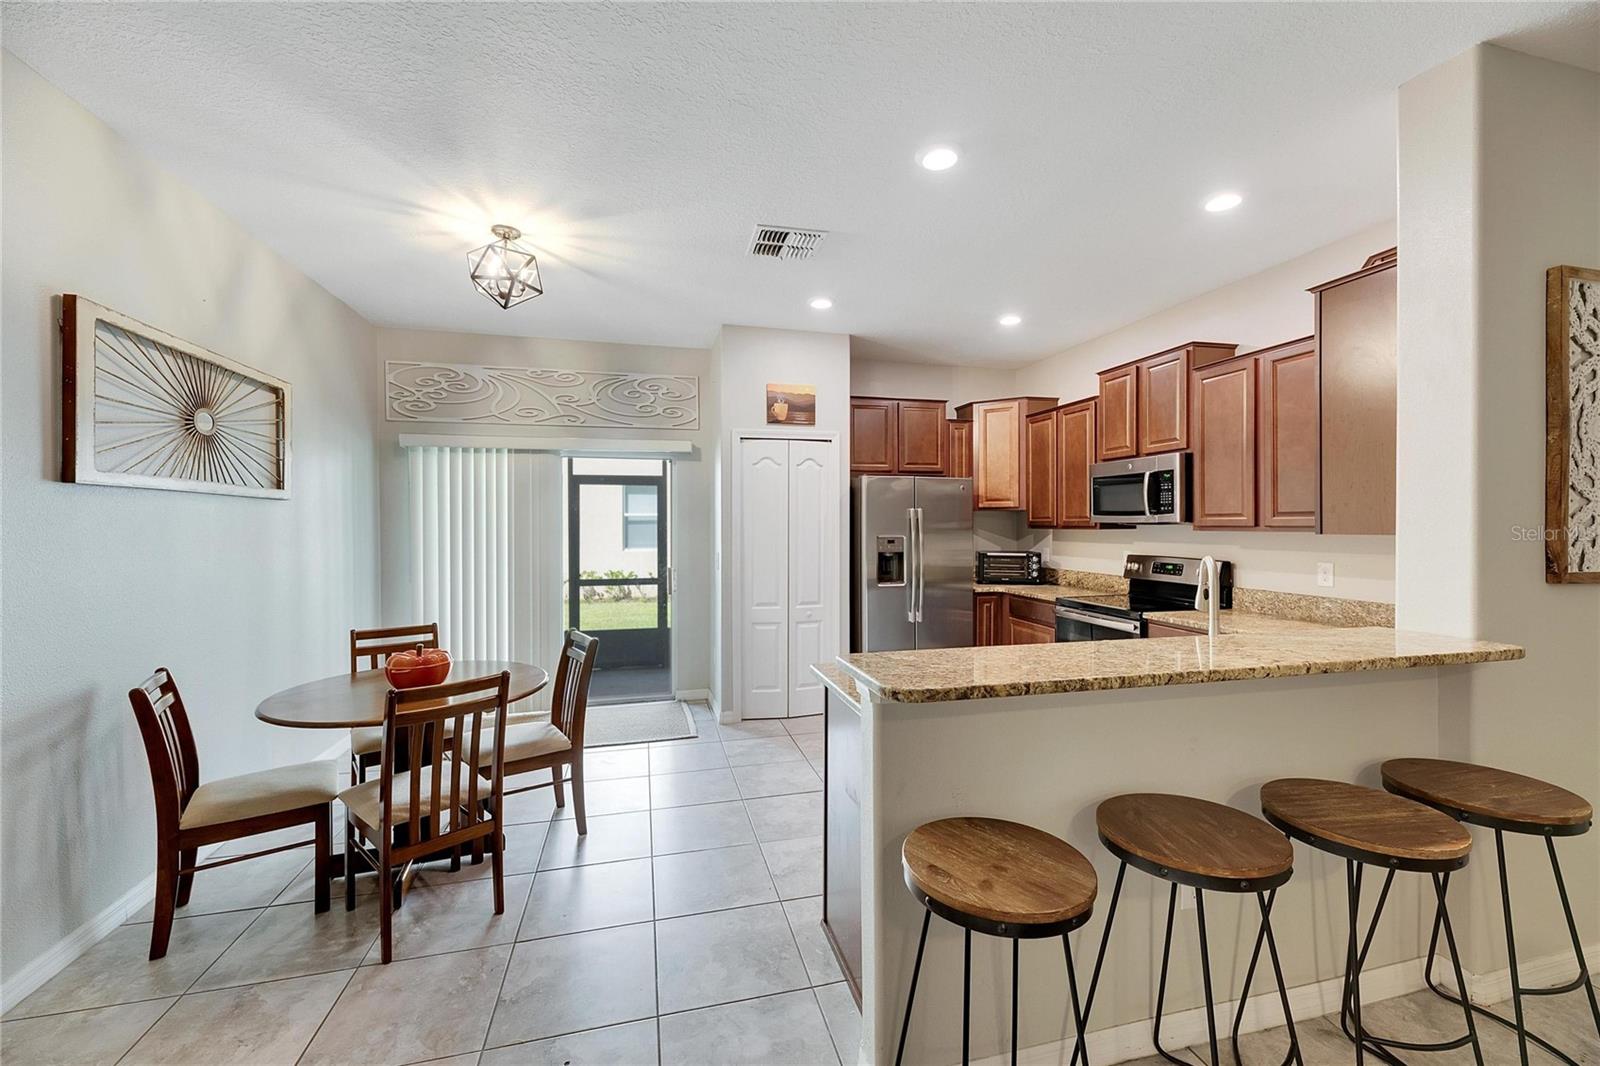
x,y
792,405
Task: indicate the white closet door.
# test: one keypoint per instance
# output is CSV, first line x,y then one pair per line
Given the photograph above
x,y
764,578
813,585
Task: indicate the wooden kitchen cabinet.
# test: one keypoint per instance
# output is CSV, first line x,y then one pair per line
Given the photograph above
x,y
1144,405
1225,437
1030,621
1288,446
999,450
1075,451
988,621
1119,413
1040,442
874,433
921,441
896,436
960,448
1355,320
1163,391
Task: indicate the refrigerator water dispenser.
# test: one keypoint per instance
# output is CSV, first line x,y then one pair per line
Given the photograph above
x,y
891,562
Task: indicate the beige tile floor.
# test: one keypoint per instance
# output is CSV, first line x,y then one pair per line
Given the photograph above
x,y
682,929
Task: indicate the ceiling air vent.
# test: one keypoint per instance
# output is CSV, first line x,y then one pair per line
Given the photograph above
x,y
785,242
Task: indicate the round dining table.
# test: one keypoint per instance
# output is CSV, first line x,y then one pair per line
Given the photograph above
x,y
347,701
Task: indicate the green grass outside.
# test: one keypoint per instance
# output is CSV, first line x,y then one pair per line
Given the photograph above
x,y
599,615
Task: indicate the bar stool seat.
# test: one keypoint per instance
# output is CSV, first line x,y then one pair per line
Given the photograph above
x,y
1483,795
1370,827
1193,840
1206,846
1002,878
1365,824
1003,874
1505,802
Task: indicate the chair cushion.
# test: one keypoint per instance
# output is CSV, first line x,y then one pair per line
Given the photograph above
x,y
366,740
282,788
525,739
364,799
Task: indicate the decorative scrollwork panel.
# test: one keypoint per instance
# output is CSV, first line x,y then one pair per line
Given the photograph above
x,y
1572,411
523,396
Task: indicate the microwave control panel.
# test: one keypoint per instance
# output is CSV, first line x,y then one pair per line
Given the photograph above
x,y
1165,494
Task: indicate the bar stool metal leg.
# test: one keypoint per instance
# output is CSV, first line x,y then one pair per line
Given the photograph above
x,y
966,996
1455,961
1264,935
1078,1014
1582,980
1511,950
1205,975
1015,945
1161,985
1099,962
911,997
1577,944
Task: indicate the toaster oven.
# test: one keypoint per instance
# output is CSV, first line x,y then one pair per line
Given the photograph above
x,y
1010,568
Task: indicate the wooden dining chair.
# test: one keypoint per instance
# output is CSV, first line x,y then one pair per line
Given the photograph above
x,y
434,799
191,814
375,646
555,745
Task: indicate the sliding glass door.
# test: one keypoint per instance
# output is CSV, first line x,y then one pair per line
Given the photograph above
x,y
619,574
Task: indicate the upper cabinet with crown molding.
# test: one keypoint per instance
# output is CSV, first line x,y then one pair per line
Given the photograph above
x,y
1144,405
1356,329
898,436
1000,450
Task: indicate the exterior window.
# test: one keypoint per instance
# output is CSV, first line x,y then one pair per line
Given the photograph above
x,y
639,517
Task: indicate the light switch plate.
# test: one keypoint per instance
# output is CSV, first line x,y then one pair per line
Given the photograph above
x,y
1325,575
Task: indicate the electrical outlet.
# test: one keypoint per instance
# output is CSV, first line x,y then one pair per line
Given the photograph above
x,y
1185,898
1325,575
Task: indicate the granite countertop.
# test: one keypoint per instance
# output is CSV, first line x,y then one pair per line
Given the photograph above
x,y
1086,666
836,679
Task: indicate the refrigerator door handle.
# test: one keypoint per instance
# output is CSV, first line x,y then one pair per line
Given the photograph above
x,y
922,577
913,562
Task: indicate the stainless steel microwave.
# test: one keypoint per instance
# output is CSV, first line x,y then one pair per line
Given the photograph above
x,y
1150,489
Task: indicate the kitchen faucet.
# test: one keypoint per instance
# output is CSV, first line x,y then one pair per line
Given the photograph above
x,y
1205,594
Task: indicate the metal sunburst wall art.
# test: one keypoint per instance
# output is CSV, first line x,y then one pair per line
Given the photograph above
x,y
144,409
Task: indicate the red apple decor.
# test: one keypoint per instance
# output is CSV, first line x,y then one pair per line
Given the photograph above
x,y
418,667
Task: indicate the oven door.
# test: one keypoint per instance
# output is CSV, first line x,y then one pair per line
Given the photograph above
x,y
1073,624
1121,497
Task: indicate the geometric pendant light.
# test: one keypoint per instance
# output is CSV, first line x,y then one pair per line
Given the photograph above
x,y
504,272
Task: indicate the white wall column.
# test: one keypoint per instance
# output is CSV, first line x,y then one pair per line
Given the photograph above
x,y
1499,178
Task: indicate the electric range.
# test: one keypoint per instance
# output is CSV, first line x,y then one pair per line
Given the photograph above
x,y
1156,583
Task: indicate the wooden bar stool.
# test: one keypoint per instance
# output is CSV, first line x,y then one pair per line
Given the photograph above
x,y
1507,803
1205,846
1368,827
1003,879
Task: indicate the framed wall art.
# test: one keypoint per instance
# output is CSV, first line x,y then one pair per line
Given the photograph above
x,y
1572,425
141,408
791,405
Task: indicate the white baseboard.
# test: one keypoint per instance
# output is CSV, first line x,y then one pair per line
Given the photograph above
x,y
1187,1028
694,695
65,951
1495,986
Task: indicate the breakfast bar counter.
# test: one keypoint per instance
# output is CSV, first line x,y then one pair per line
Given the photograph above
x,y
1042,734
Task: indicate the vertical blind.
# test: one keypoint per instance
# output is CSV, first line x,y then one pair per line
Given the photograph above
x,y
461,541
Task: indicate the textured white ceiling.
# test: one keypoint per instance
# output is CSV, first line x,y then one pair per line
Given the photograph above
x,y
373,144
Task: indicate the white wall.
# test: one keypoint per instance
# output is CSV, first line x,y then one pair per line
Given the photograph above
x,y
691,523
1254,312
926,381
745,359
239,597
1499,179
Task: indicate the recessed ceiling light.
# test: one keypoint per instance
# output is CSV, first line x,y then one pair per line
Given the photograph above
x,y
938,158
1011,320
1224,201
821,303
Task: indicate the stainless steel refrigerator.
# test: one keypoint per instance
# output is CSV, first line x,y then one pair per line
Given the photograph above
x,y
910,563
